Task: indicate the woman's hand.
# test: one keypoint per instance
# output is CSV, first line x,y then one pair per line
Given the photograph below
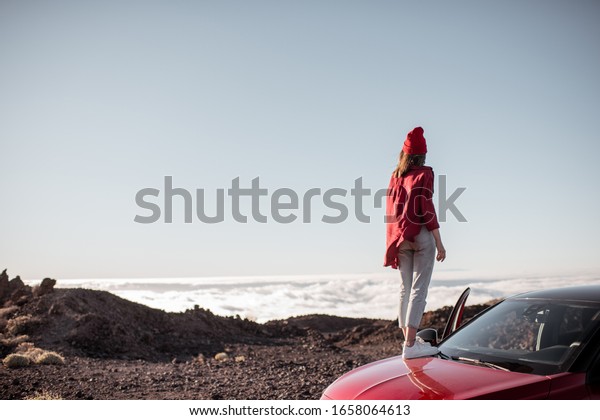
x,y
441,252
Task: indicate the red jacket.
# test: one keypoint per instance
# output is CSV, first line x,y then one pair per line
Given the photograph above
x,y
409,207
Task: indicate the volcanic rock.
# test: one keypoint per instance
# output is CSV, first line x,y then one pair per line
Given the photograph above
x,y
3,286
18,292
45,287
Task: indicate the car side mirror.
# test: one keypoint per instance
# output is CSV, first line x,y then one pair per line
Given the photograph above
x,y
429,335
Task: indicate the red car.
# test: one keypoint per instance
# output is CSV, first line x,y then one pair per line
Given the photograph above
x,y
543,344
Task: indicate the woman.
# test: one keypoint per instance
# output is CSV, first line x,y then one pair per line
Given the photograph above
x,y
413,237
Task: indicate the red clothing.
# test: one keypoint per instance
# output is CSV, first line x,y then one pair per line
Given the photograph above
x,y
409,207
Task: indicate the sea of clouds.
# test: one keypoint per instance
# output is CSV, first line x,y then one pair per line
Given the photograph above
x,y
278,297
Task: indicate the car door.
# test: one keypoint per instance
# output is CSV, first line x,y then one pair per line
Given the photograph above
x,y
455,318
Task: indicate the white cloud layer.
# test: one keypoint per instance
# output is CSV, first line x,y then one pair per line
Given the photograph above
x,y
278,297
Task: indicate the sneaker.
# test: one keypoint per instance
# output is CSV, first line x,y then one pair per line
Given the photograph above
x,y
419,349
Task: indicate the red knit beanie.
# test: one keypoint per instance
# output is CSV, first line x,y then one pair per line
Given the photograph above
x,y
415,142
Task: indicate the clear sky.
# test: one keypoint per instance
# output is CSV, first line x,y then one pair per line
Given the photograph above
x,y
101,99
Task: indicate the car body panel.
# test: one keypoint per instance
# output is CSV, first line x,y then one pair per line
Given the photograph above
x,y
567,386
433,378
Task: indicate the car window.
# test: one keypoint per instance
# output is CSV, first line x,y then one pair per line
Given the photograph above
x,y
512,331
526,335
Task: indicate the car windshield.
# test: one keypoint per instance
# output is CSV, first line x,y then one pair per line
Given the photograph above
x,y
524,335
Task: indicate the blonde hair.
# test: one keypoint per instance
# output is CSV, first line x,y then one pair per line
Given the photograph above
x,y
405,161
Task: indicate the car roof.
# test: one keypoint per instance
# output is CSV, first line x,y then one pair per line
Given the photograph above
x,y
588,293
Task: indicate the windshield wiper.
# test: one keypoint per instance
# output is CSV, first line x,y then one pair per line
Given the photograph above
x,y
443,356
479,363
474,361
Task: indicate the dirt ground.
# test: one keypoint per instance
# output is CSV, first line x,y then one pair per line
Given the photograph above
x,y
287,370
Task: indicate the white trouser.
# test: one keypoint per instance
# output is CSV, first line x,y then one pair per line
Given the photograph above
x,y
416,266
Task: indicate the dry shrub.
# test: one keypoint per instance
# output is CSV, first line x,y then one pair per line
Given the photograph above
x,y
44,395
39,356
13,341
30,350
50,358
18,324
16,360
27,353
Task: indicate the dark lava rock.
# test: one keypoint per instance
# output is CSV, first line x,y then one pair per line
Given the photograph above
x,y
45,287
3,286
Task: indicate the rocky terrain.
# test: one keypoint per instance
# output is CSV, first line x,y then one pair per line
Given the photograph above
x,y
105,347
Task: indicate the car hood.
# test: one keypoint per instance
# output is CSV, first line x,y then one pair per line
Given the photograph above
x,y
433,378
